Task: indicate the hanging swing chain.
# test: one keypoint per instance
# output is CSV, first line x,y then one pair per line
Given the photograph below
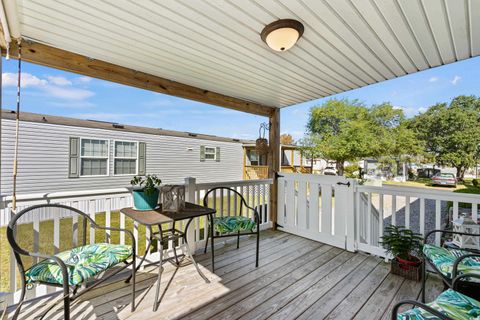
x,y
17,128
264,127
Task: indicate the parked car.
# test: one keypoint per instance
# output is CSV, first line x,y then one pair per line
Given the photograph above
x,y
444,179
427,172
330,171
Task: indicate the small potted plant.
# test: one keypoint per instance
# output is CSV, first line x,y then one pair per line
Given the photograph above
x,y
145,191
405,246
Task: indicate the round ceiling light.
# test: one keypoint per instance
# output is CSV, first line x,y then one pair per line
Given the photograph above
x,y
282,34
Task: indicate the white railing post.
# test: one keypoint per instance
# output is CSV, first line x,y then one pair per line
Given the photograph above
x,y
350,218
190,188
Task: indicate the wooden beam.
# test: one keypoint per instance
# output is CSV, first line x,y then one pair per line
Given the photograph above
x,y
64,60
274,163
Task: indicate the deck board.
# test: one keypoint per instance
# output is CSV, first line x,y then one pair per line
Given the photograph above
x,y
297,279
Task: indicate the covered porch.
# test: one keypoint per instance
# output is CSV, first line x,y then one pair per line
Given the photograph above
x,y
322,257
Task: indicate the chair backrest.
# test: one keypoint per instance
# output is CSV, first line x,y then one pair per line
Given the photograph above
x,y
234,202
23,232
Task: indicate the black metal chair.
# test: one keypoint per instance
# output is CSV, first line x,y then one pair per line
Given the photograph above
x,y
231,226
449,305
469,288
67,269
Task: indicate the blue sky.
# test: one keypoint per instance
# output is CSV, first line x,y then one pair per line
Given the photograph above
x,y
56,92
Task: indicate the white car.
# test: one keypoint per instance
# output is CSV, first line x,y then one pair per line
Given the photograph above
x,y
330,171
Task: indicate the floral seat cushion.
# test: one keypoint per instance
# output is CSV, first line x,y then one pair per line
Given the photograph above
x,y
451,303
82,263
444,258
233,224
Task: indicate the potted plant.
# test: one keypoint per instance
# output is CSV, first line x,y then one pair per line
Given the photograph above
x,y
145,191
405,246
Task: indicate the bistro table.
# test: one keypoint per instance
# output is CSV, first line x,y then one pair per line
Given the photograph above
x,y
158,217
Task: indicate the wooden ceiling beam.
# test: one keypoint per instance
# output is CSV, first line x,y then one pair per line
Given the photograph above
x,y
68,61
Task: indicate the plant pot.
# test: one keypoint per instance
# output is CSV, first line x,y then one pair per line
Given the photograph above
x,y
411,270
408,264
143,201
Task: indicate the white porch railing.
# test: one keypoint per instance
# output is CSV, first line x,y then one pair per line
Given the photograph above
x,y
419,209
104,205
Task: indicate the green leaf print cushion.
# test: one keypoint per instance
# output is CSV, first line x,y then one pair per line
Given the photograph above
x,y
82,263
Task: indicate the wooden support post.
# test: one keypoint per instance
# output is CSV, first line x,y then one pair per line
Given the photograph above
x,y
274,163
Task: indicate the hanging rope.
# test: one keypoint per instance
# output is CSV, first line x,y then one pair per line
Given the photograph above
x,y
17,128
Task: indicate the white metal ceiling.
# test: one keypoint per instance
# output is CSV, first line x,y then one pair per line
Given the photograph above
x,y
215,44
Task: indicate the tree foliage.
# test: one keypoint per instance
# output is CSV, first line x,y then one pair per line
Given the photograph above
x,y
286,139
347,130
451,132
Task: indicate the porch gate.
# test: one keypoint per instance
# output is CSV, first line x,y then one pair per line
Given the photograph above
x,y
317,207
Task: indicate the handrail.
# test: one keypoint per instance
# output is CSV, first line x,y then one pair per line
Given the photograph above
x,y
418,192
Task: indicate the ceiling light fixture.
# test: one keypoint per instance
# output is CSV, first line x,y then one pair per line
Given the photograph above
x,y
282,34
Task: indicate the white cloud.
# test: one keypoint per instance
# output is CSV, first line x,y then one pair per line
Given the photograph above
x,y
59,81
83,79
27,80
51,86
69,93
455,80
433,79
422,109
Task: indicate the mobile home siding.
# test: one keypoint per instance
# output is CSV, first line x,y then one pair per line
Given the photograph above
x,y
43,164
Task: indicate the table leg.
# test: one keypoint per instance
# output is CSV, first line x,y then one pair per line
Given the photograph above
x,y
187,248
149,244
159,279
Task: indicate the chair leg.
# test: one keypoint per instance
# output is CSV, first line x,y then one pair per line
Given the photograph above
x,y
66,302
134,271
238,240
208,235
258,245
212,236
424,279
20,303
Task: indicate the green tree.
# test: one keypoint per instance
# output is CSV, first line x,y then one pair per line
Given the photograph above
x,y
451,133
347,130
309,148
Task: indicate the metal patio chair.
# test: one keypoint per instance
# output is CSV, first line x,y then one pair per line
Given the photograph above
x,y
449,305
232,226
449,263
73,268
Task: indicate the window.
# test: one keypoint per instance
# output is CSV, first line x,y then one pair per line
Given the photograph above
x,y
93,157
125,161
210,153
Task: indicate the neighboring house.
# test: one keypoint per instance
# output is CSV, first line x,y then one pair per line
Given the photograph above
x,y
256,165
59,153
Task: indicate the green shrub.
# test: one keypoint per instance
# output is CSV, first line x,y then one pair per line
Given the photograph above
x,y
476,182
352,171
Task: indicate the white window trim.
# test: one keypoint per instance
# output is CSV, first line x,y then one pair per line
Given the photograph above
x,y
214,153
84,157
115,157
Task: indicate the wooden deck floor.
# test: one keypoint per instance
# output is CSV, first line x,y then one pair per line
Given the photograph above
x,y
297,279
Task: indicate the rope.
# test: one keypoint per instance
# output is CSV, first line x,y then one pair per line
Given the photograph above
x,y
17,128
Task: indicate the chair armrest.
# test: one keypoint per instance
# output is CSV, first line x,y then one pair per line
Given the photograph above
x,y
255,212
419,305
449,232
456,280
458,260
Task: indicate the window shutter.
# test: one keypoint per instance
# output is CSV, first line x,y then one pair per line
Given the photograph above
x,y
217,154
202,153
142,158
73,161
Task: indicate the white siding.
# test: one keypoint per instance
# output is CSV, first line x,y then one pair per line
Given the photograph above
x,y
43,158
